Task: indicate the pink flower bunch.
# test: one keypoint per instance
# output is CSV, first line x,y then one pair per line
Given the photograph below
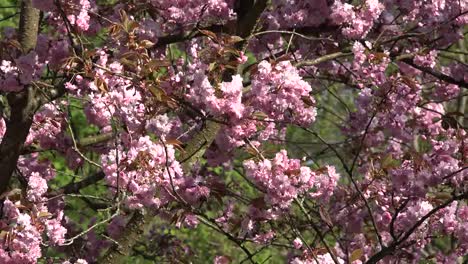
x,y
264,238
78,261
426,60
369,67
359,23
14,75
300,12
153,79
37,187
123,101
77,11
55,230
224,100
190,12
23,242
163,126
281,93
309,258
446,91
284,179
53,51
48,125
33,163
146,171
413,213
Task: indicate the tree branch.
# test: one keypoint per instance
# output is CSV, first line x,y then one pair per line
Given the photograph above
x,y
324,58
29,26
128,238
436,74
386,251
247,23
23,104
75,187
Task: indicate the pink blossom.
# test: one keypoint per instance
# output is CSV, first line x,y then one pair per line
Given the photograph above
x,y
362,22
25,247
427,60
8,77
191,221
2,128
342,12
229,102
264,238
297,243
55,230
37,186
279,92
150,77
221,260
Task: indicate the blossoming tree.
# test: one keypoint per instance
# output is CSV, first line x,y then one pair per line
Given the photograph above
x,y
328,131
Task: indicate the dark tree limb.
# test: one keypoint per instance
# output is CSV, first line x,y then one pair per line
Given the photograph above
x,y
23,104
170,39
129,237
75,187
200,142
29,26
436,74
246,24
82,143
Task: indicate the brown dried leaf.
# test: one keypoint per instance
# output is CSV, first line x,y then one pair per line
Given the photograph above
x,y
357,254
101,85
123,15
234,39
115,30
131,26
308,100
45,214
209,34
158,93
15,44
130,54
176,143
155,64
408,81
3,234
146,44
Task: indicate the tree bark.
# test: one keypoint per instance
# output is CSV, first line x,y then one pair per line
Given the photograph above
x,y
132,232
23,104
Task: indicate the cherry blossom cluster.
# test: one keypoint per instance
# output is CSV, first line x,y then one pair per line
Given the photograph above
x,y
15,74
146,80
284,179
147,170
24,221
358,23
281,93
77,11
